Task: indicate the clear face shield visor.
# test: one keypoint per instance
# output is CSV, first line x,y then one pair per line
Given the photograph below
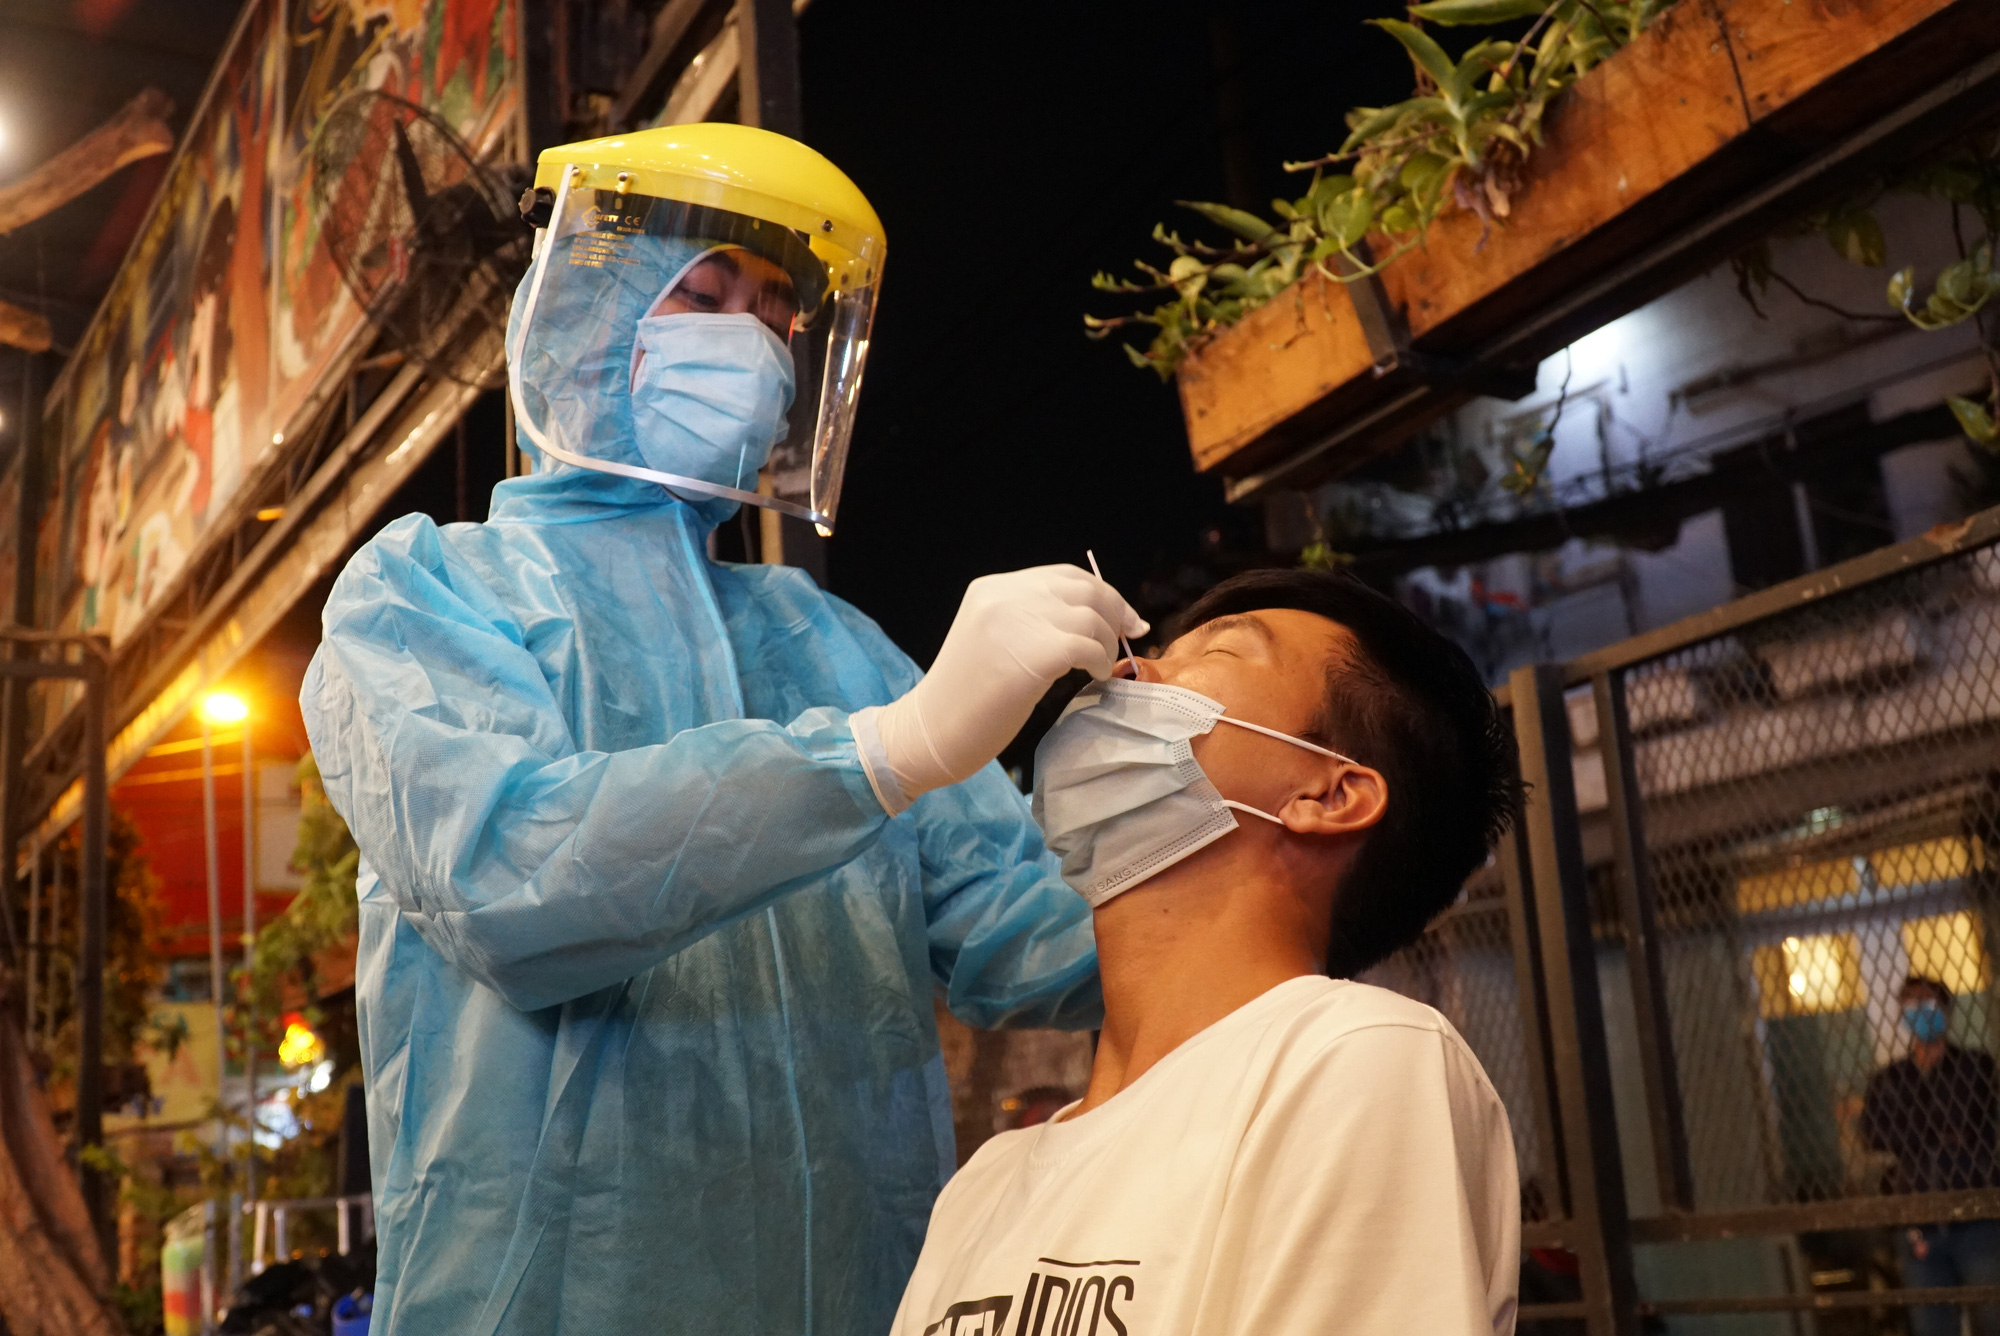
x,y
615,363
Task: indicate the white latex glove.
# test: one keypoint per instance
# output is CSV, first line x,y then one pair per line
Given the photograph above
x,y
1014,635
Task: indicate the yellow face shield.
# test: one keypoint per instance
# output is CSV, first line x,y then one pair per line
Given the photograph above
x,y
640,238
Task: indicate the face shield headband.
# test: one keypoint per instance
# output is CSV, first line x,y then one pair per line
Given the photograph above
x,y
545,441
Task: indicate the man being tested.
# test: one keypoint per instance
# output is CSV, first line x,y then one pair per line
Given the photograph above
x,y
664,857
1262,1148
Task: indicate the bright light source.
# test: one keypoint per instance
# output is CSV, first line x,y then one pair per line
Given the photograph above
x,y
300,1047
277,438
1822,973
219,707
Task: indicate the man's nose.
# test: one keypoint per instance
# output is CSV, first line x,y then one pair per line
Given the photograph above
x,y
1139,670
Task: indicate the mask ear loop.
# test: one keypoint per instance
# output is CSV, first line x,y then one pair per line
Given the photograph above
x,y
1287,737
1282,737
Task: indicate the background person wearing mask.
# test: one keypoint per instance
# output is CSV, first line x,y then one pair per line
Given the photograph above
x,y
1262,1148
650,922
1937,1111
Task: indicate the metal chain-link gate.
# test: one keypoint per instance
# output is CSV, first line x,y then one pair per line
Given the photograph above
x,y
1733,973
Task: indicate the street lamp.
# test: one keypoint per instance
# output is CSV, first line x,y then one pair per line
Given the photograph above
x,y
209,710
222,707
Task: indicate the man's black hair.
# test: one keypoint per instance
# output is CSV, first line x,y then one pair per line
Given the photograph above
x,y
1410,704
1942,993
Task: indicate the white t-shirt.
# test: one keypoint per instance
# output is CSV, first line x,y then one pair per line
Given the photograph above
x,y
1328,1158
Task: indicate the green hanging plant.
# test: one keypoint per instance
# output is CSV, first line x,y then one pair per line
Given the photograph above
x,y
1460,141
1965,178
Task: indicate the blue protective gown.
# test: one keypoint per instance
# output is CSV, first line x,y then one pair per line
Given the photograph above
x,y
646,973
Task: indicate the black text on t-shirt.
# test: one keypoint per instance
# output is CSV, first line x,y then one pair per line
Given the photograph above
x,y
1081,1299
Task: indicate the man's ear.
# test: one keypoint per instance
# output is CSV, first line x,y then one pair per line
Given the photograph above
x,y
1351,799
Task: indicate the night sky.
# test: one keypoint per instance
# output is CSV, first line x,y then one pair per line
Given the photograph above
x,y
1011,151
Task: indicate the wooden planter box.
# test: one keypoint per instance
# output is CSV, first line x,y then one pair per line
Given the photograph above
x,y
1725,119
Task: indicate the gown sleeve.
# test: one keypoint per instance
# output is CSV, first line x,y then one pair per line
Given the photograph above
x,y
544,871
1010,943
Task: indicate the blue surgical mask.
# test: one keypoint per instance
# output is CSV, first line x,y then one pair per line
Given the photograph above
x,y
709,395
1118,792
1926,1021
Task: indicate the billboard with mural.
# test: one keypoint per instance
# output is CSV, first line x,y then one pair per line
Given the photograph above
x,y
229,313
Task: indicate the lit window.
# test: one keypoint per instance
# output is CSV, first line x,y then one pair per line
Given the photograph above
x,y
1948,948
1790,887
1804,976
1928,861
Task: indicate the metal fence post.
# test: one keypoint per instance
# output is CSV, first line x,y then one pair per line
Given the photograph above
x,y
1532,987
259,1236
1636,909
56,950
211,1277
18,606
1580,1062
35,943
90,969
250,935
234,1272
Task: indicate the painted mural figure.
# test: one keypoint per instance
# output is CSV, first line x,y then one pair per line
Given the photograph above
x,y
229,315
208,422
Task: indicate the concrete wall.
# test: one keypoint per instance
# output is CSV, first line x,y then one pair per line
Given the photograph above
x,y
1692,374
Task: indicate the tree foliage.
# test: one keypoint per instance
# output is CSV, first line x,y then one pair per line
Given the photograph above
x,y
285,966
284,975
132,953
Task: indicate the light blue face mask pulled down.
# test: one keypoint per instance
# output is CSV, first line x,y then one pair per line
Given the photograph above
x,y
709,396
1118,792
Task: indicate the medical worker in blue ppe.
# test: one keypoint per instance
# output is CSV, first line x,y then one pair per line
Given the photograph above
x,y
663,859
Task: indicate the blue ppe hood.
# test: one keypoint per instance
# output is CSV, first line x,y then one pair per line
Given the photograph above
x,y
574,366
